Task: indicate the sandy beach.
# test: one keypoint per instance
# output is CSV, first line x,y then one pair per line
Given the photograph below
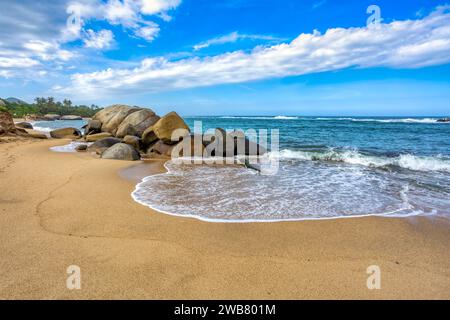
x,y
61,209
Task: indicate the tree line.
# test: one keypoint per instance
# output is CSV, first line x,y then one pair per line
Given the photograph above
x,y
43,106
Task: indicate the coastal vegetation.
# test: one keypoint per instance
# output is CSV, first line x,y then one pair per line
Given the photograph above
x,y
43,106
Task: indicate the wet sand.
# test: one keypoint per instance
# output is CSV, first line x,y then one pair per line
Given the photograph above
x,y
61,209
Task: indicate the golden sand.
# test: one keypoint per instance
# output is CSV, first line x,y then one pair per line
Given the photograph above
x,y
58,210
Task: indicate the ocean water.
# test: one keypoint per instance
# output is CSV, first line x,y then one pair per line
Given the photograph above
x,y
328,168
47,126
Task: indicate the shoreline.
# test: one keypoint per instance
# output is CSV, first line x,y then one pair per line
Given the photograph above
x,y
134,173
78,210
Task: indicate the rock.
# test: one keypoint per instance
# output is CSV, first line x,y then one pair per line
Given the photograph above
x,y
232,144
136,123
2,103
121,151
34,117
92,127
192,146
97,136
24,125
7,122
81,147
160,148
52,117
132,141
112,116
21,131
164,128
101,145
2,131
65,133
71,117
221,146
36,134
444,120
244,146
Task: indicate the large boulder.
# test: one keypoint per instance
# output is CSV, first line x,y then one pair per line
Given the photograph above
x,y
164,128
92,127
36,134
52,117
136,123
133,141
191,146
7,122
71,117
112,116
65,133
232,144
160,148
97,136
24,125
121,151
245,147
101,145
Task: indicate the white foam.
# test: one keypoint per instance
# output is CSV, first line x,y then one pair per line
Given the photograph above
x,y
394,120
308,192
407,161
69,147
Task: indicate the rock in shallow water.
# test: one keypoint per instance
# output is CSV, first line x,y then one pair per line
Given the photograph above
x,y
24,125
121,151
81,147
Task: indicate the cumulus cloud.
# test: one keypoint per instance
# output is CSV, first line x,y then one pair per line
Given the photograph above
x,y
400,44
6,62
233,37
130,14
98,40
28,33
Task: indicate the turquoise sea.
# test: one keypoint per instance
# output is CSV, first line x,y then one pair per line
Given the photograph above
x,y
329,167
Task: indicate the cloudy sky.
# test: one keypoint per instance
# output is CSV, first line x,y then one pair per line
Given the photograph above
x,y
248,57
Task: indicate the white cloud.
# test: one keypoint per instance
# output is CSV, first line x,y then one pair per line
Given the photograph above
x,y
131,14
47,50
149,32
400,44
233,37
17,62
29,38
157,6
98,40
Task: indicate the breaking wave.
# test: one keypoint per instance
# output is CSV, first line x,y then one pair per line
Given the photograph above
x,y
406,161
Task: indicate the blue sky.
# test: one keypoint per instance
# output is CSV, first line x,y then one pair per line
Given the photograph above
x,y
235,57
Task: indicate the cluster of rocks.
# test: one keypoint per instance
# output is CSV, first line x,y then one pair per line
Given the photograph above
x,y
51,117
444,120
23,129
130,133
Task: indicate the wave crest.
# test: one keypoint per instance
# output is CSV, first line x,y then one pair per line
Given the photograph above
x,y
406,161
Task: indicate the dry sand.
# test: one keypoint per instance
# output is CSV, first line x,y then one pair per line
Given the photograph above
x,y
60,209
